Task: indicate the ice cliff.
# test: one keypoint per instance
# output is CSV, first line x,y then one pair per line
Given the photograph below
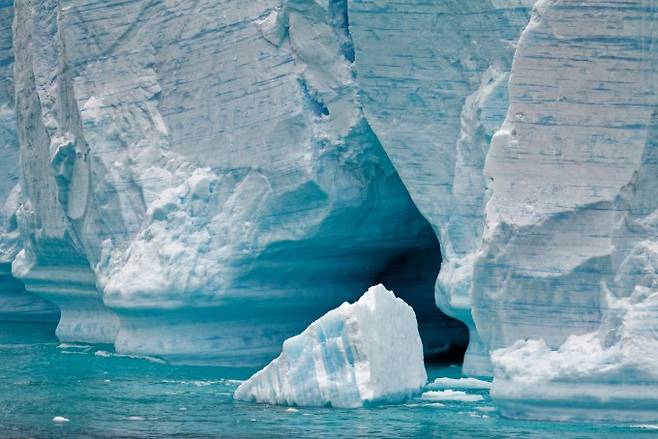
x,y
204,191
15,302
367,352
202,180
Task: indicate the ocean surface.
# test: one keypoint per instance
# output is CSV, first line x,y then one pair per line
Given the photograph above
x,y
95,393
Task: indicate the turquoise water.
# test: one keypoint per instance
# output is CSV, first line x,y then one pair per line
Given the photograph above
x,y
104,395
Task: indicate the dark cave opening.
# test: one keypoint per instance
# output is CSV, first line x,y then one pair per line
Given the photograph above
x,y
411,275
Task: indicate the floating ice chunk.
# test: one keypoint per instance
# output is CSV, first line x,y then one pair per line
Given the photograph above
x,y
60,419
368,351
459,383
450,395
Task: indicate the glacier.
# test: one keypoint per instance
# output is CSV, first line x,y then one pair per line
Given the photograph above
x,y
200,181
364,353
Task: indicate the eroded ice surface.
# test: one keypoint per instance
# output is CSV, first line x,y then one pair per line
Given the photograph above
x,y
360,353
15,302
204,190
568,260
606,375
433,76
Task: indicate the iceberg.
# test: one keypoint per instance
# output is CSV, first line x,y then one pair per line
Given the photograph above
x,y
199,182
203,192
357,354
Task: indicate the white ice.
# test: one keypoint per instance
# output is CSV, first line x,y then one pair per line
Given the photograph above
x,y
459,383
360,353
450,395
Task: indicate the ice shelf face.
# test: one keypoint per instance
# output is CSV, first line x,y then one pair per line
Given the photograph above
x,y
15,302
573,138
433,76
568,258
360,353
204,191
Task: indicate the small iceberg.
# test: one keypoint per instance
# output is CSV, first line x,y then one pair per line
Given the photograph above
x,y
360,353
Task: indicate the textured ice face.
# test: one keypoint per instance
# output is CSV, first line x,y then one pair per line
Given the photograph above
x,y
209,187
573,138
360,353
568,260
15,302
433,76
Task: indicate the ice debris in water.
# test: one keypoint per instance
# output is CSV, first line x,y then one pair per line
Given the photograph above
x,y
450,395
365,352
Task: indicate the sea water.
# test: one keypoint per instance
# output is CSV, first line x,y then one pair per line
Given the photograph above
x,y
50,389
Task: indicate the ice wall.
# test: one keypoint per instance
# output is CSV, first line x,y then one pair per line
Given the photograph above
x,y
200,181
433,77
568,251
15,302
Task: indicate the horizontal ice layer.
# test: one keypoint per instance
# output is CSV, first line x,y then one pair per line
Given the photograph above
x,y
18,304
459,383
360,353
450,395
83,316
433,80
